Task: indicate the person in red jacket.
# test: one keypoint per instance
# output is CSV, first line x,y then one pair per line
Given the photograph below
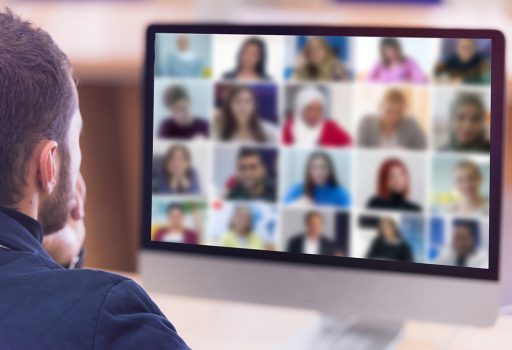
x,y
311,126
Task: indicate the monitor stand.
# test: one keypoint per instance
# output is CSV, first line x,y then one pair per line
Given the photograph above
x,y
343,334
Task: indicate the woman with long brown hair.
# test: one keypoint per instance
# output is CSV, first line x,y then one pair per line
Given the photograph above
x,y
321,185
251,61
389,243
240,119
319,62
176,174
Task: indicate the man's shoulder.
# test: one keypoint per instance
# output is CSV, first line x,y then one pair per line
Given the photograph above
x,y
237,192
98,277
59,308
108,283
297,239
199,122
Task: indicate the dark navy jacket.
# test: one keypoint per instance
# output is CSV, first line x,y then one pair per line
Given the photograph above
x,y
44,306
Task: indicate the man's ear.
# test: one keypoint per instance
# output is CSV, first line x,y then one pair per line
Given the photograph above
x,y
47,166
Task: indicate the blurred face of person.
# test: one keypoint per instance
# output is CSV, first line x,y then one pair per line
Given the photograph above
x,y
243,106
183,43
316,52
391,112
175,218
242,220
313,113
180,111
54,209
466,49
463,243
468,125
319,171
397,180
467,181
250,57
390,53
315,226
178,163
251,172
387,230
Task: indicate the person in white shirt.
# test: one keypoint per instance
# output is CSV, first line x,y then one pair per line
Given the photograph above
x,y
468,179
464,249
184,62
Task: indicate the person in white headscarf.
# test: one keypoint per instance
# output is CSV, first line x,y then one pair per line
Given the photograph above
x,y
310,125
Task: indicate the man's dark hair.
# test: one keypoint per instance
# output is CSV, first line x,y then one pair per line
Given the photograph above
x,y
36,99
175,206
175,94
471,226
250,152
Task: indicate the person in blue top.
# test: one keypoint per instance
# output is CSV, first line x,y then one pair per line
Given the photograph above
x,y
42,304
321,185
184,62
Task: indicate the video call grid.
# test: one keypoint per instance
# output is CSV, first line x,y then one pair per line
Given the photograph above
x,y
356,209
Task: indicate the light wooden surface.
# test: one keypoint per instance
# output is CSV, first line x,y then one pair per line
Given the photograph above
x,y
213,324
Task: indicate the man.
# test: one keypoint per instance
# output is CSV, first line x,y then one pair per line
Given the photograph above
x,y
43,305
313,240
252,180
464,249
181,124
466,65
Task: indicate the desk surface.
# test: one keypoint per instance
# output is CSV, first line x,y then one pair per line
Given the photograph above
x,y
212,324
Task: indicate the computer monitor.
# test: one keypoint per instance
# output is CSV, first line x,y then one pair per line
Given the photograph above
x,y
346,170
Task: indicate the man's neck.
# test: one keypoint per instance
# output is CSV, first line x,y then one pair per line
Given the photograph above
x,y
184,122
312,236
257,190
28,206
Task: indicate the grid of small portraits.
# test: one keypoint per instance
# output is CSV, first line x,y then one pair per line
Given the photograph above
x,y
364,147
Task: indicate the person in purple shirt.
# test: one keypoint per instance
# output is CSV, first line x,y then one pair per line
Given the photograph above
x,y
394,66
42,304
181,124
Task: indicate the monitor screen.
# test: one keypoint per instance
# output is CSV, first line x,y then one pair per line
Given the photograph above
x,y
322,148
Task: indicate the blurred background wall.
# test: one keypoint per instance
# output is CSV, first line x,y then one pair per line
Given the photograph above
x,y
105,39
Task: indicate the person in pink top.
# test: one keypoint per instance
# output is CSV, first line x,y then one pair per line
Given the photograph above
x,y
394,66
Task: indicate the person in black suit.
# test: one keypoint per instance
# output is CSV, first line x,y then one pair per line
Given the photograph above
x,y
313,240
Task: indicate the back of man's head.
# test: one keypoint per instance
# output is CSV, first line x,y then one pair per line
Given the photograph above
x,y
36,100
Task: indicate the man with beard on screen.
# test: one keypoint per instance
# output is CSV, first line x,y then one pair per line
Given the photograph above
x,y
42,304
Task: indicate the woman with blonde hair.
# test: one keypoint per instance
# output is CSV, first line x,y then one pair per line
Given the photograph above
x,y
391,127
389,244
319,62
468,178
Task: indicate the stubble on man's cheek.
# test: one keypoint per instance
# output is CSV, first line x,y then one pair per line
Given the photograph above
x,y
54,211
